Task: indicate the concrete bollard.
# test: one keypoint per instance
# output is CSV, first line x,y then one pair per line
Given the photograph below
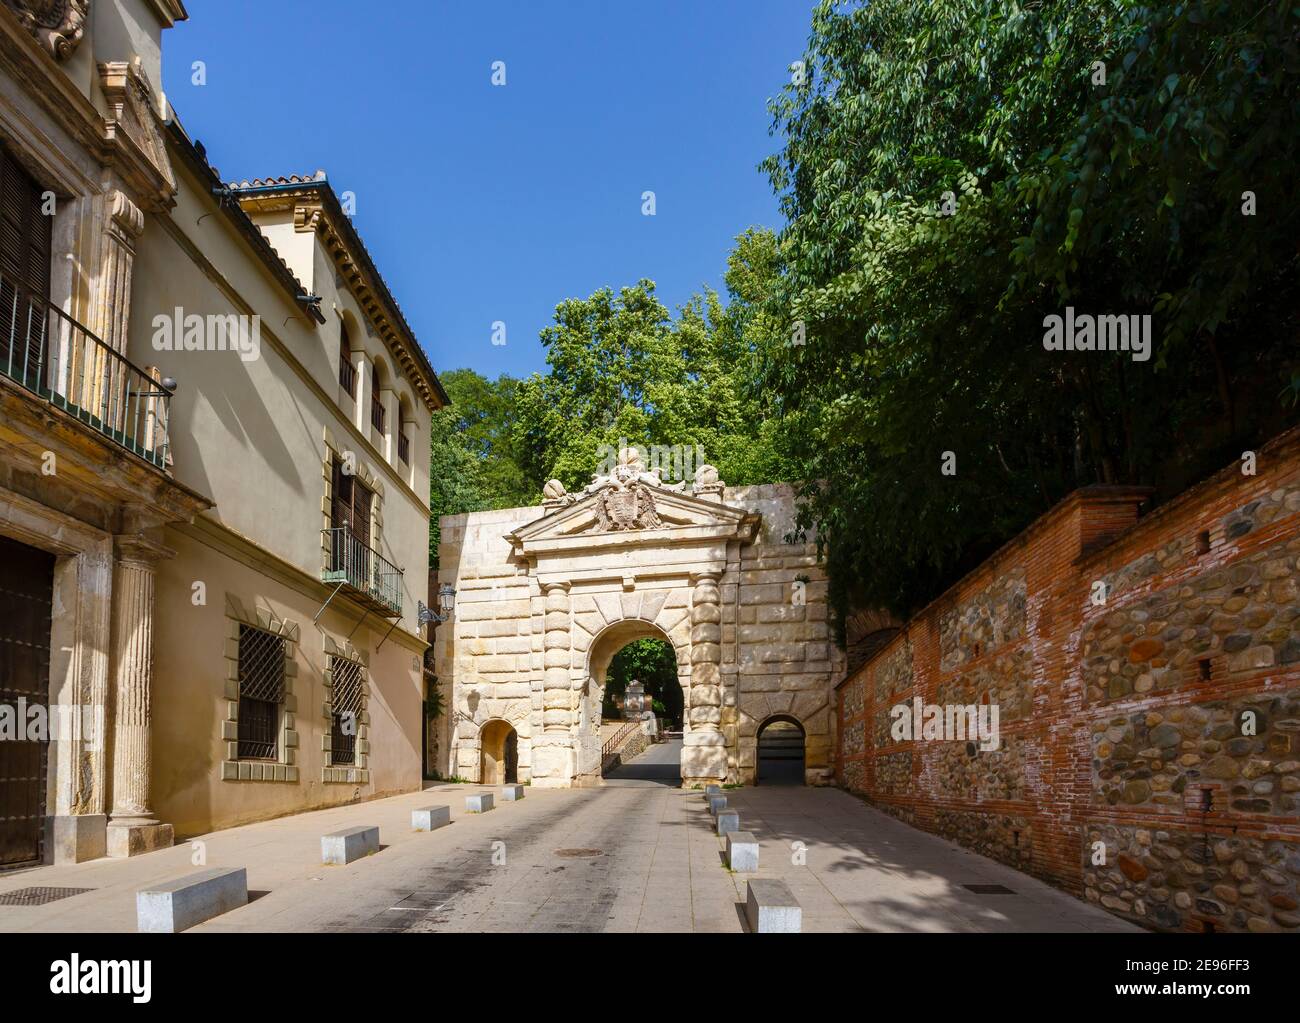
x,y
178,905
742,852
716,804
339,848
771,908
430,818
480,803
728,820
512,793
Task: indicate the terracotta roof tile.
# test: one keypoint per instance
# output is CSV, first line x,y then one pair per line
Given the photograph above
x,y
292,179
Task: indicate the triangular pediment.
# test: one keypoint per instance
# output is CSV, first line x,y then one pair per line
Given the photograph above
x,y
670,517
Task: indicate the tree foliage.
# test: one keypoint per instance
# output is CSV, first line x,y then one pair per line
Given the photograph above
x,y
924,312
620,367
652,663
474,462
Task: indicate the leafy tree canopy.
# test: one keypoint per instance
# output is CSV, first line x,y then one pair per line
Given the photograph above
x,y
954,172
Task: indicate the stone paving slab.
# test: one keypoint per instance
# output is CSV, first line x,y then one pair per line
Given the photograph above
x,y
659,868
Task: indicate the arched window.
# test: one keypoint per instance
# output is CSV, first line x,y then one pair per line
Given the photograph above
x,y
377,410
347,371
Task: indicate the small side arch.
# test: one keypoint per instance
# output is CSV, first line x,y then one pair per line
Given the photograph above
x,y
782,751
498,753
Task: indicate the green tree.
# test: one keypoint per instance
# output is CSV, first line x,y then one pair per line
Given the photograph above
x,y
473,461
622,367
652,663
954,172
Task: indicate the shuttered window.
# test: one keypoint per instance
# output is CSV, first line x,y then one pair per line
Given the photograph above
x,y
351,503
25,230
25,243
347,371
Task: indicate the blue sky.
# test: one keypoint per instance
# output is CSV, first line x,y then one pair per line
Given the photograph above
x,y
482,203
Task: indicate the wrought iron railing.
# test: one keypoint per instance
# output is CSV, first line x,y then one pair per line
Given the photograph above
x,y
56,358
404,448
615,742
361,567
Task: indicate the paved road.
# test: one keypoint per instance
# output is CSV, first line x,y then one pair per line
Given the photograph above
x,y
660,764
631,855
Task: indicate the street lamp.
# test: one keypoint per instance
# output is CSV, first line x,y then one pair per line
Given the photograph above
x,y
446,605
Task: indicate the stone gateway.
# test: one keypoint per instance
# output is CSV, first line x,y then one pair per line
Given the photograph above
x,y
547,596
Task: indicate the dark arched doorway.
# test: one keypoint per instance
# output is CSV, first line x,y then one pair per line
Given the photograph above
x,y
780,752
499,754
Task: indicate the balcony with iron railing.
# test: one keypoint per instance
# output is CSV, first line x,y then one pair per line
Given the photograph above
x,y
362,572
48,353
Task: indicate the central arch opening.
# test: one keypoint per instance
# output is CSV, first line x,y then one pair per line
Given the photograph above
x,y
635,705
652,664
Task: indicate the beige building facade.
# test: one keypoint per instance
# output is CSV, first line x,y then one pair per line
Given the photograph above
x,y
213,473
546,596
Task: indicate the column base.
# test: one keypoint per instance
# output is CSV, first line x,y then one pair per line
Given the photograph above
x,y
75,838
704,759
553,762
134,839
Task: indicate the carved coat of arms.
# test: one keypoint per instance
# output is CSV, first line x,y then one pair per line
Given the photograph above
x,y
630,506
57,24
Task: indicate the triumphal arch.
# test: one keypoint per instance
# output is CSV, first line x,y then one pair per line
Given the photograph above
x,y
546,596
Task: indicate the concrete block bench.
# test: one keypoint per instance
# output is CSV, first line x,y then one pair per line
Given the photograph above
x,y
340,848
481,803
742,851
717,804
512,793
430,818
728,820
181,904
770,908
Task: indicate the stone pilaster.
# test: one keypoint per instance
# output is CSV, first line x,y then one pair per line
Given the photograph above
x,y
553,753
132,828
112,311
704,754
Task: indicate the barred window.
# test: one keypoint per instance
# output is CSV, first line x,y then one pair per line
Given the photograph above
x,y
261,691
345,708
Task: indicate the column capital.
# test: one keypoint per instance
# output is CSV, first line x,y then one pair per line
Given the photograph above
x,y
558,586
126,214
140,550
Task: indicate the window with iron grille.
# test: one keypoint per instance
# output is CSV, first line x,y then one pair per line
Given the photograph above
x,y
377,410
345,707
261,692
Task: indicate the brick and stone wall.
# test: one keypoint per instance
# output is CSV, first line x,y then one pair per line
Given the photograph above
x,y
1147,676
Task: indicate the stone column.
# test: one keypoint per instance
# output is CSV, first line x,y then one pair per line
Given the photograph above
x,y
132,828
553,755
704,752
79,670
